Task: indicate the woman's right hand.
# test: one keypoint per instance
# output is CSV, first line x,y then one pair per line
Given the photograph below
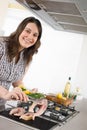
x,y
16,94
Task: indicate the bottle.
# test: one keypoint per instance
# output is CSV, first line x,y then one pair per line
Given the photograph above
x,y
67,88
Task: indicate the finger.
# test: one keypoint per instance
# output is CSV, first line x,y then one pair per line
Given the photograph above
x,y
13,96
24,97
19,94
18,91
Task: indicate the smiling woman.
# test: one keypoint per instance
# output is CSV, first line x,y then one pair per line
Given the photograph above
x,y
16,52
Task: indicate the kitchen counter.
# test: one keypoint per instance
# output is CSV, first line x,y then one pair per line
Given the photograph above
x,y
79,122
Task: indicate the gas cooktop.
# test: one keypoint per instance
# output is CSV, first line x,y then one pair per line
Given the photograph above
x,y
55,116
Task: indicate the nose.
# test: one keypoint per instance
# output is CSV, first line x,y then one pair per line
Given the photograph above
x,y
31,38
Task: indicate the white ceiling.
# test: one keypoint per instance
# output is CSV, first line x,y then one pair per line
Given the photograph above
x,y
67,15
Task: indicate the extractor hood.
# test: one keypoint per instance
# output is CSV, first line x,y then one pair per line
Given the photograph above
x,y
64,15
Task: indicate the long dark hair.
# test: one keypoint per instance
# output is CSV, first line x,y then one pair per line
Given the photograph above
x,y
13,41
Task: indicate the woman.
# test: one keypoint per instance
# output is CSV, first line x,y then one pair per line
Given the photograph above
x,y
16,52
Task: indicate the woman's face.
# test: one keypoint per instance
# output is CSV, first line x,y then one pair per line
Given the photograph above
x,y
29,36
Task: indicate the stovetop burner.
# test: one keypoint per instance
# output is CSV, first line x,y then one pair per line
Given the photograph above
x,y
59,113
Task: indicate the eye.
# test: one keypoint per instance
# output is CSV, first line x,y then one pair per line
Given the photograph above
x,y
27,30
36,35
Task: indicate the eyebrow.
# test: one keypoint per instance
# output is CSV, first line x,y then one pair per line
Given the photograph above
x,y
30,29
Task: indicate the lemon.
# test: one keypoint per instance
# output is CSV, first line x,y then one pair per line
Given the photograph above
x,y
59,95
22,87
27,92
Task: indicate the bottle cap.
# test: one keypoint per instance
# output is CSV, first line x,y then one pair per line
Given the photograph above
x,y
69,78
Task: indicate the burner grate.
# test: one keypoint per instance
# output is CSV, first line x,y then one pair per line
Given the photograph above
x,y
59,113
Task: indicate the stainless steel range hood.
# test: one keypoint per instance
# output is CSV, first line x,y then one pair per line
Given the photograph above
x,y
65,15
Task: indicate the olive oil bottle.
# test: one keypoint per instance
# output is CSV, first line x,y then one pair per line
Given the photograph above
x,y
67,88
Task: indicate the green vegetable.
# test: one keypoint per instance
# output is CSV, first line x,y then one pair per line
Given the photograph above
x,y
36,95
23,89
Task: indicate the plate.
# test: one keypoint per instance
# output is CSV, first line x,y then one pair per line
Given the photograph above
x,y
36,95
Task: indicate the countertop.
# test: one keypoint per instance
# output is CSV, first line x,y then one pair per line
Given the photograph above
x,y
79,122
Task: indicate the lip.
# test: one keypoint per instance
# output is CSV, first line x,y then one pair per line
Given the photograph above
x,y
26,40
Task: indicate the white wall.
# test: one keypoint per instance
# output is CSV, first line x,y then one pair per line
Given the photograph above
x,y
81,75
59,57
56,61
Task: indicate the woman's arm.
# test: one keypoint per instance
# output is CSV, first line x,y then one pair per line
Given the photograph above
x,y
3,91
18,83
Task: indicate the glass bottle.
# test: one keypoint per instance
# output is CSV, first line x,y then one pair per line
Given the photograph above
x,y
67,88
